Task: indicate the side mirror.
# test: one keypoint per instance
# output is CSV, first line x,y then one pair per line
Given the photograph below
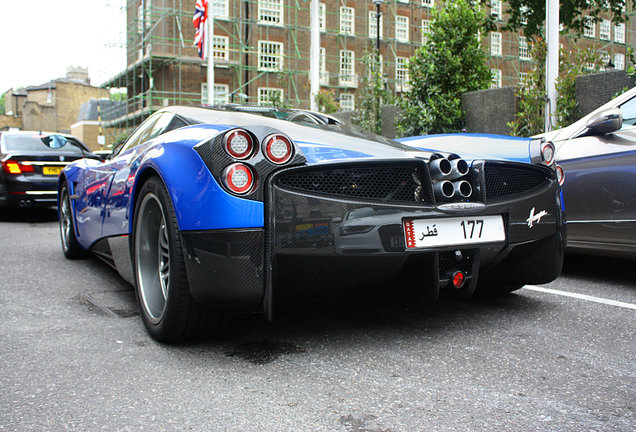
x,y
607,121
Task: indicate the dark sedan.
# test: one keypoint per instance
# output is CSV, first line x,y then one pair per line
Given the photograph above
x,y
598,155
30,165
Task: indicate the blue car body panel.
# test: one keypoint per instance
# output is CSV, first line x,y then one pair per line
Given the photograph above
x,y
474,146
106,190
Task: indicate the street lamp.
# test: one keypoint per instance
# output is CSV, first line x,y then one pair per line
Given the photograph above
x,y
378,14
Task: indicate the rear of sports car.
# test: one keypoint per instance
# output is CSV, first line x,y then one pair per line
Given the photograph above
x,y
421,221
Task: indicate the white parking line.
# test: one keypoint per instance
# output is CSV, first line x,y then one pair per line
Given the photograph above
x,y
582,297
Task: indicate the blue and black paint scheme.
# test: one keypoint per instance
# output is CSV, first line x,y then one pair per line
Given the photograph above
x,y
293,235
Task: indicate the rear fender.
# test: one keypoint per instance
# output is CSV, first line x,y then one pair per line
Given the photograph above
x,y
200,203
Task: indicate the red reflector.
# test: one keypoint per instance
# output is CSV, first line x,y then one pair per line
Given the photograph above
x,y
560,175
238,178
458,279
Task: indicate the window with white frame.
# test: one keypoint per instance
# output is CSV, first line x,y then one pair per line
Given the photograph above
x,y
402,28
270,56
523,78
140,19
370,66
268,96
148,14
403,1
495,43
347,20
590,28
221,93
496,78
604,29
347,68
270,12
523,15
401,74
605,60
347,102
428,3
619,61
324,75
495,9
524,49
220,49
619,33
373,25
323,17
426,30
219,8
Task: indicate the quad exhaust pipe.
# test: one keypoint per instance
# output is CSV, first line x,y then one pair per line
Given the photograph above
x,y
463,188
443,171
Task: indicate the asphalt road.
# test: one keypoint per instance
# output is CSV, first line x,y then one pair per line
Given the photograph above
x,y
74,356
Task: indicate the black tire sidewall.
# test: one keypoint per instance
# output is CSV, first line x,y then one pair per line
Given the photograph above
x,y
172,323
71,247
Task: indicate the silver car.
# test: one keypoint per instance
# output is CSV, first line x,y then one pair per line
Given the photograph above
x,y
598,155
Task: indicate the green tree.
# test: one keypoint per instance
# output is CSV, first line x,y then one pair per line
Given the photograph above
x,y
2,103
529,15
372,93
326,101
529,119
451,63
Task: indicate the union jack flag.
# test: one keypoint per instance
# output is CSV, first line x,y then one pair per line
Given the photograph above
x,y
200,20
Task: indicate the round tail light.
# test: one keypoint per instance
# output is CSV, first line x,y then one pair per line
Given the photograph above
x,y
547,152
238,178
560,174
278,149
238,144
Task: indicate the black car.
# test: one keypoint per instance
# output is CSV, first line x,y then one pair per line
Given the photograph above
x,y
31,163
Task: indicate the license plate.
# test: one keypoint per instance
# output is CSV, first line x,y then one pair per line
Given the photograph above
x,y
51,170
423,233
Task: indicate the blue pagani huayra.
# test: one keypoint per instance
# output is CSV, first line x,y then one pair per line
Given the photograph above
x,y
209,212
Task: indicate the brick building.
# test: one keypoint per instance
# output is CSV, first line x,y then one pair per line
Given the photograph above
x,y
53,106
261,50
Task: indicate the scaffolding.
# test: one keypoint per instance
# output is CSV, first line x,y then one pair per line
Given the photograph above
x,y
261,48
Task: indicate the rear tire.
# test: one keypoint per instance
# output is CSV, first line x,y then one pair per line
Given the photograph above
x,y
70,245
168,311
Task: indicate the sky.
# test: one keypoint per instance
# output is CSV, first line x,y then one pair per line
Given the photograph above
x,y
39,39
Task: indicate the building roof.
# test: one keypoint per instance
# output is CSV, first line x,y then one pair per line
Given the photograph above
x,y
108,110
52,84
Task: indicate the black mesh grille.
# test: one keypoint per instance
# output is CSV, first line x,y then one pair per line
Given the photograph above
x,y
448,264
504,181
385,183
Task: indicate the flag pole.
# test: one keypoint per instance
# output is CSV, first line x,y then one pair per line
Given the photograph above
x,y
314,55
552,61
209,47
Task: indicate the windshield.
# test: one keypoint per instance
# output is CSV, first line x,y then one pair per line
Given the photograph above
x,y
293,115
41,144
